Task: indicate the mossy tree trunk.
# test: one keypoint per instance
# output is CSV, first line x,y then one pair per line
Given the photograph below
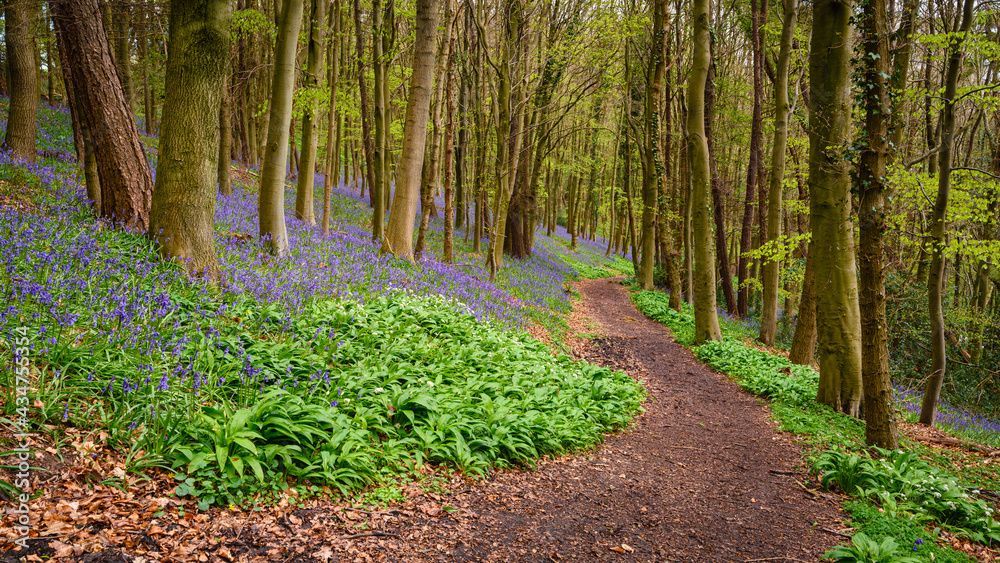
x,y
650,157
769,318
182,218
835,284
20,27
880,422
706,319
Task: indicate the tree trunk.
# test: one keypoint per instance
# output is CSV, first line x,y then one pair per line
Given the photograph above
x,y
769,317
333,136
880,422
508,133
21,26
706,318
182,219
81,132
225,170
399,235
380,177
447,251
717,204
271,202
804,339
126,183
431,165
121,17
837,316
366,135
305,209
651,165
756,140
936,276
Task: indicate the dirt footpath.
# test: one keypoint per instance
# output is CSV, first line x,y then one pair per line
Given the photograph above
x,y
702,477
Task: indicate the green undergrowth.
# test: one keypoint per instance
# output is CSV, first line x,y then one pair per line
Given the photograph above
x,y
364,392
900,495
248,400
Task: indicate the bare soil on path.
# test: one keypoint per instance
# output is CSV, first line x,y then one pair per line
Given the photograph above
x,y
703,475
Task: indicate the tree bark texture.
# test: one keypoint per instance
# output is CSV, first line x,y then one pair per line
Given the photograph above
x,y
837,317
20,27
880,422
182,219
125,179
706,317
936,275
399,234
271,201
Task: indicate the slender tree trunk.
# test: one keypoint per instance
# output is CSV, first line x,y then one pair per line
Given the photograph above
x,y
936,276
366,135
399,235
381,162
880,422
718,210
447,251
900,72
333,167
837,315
121,17
304,187
706,318
125,179
769,317
271,202
225,170
182,218
756,140
651,166
147,97
20,29
508,133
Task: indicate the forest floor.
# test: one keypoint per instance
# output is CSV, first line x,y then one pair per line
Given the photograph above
x,y
702,475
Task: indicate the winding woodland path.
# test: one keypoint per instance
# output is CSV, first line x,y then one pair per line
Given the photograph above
x,y
703,476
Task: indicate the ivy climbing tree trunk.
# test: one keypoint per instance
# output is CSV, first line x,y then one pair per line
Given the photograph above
x,y
880,422
182,218
838,320
706,319
650,153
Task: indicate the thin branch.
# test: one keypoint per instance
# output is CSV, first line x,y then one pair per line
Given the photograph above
x,y
980,170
